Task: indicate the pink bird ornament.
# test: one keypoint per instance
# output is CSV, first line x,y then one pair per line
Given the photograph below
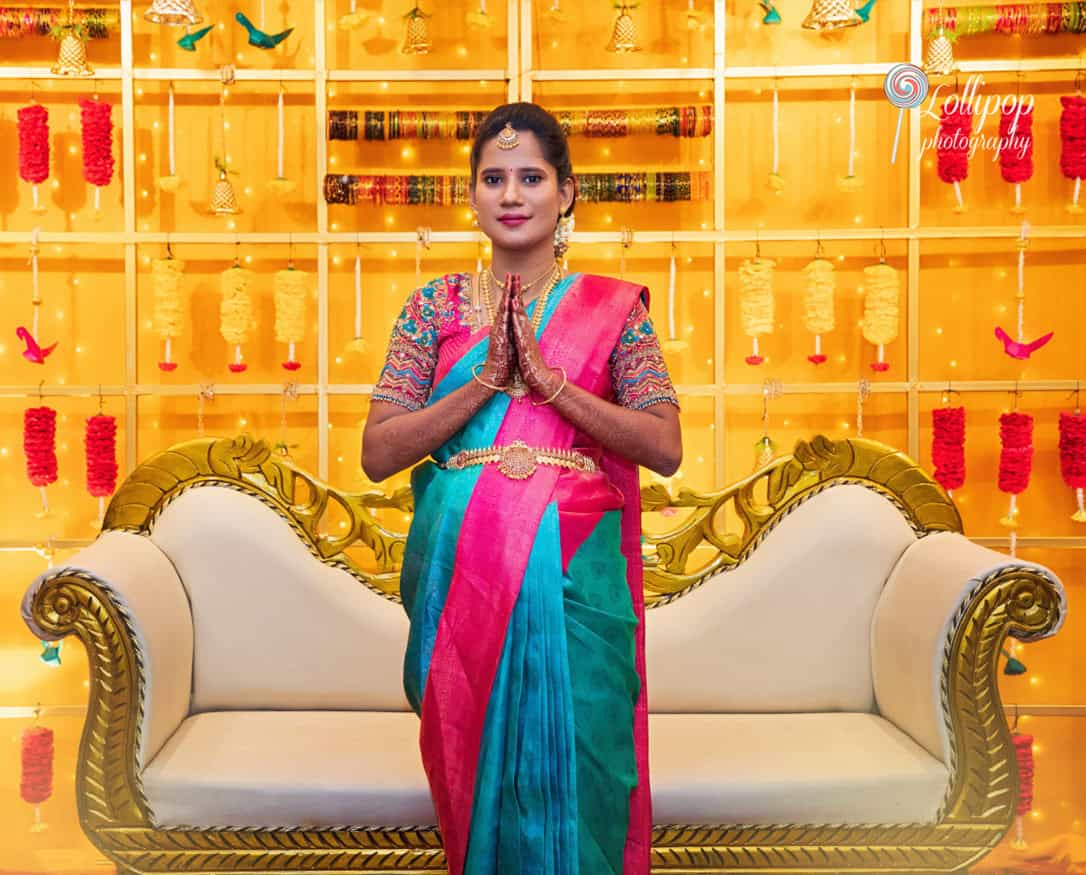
x,y
33,352
1017,350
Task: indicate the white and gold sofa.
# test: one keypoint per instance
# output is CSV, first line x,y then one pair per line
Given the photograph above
x,y
822,666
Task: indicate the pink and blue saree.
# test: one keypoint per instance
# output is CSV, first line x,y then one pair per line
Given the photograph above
x,y
525,659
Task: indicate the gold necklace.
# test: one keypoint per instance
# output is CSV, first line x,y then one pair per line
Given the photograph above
x,y
523,286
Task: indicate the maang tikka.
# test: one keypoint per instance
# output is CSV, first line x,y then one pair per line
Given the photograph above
x,y
508,138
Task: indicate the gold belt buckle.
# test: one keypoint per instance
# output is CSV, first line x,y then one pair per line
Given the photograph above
x,y
517,461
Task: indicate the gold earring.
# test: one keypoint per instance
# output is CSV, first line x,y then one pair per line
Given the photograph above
x,y
475,215
562,232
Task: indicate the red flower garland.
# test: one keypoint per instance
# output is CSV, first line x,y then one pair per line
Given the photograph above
x,y
97,141
1016,457
948,446
33,127
36,778
1073,137
1016,146
39,444
100,442
1073,449
952,142
1023,749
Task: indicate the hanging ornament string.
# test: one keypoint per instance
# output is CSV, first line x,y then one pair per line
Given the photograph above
x,y
357,344
765,448
850,182
100,446
40,448
673,343
290,290
422,242
280,185
33,127
33,351
818,305
1073,456
955,130
948,445
1073,143
1023,751
625,242
1019,348
290,393
776,181
206,393
97,145
236,319
1016,149
881,311
863,392
170,182
756,302
1015,463
166,277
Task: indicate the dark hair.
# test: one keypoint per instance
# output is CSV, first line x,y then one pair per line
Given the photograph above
x,y
527,117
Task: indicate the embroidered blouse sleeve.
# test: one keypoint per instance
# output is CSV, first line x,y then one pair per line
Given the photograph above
x,y
408,372
638,372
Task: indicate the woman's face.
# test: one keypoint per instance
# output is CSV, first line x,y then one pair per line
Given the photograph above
x,y
517,195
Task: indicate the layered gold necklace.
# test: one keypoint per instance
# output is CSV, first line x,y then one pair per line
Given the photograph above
x,y
517,387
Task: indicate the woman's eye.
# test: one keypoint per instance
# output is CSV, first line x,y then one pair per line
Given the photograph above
x,y
492,179
532,178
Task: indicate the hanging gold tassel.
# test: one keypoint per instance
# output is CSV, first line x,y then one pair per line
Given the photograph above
x,y
818,306
756,302
166,277
236,320
291,289
881,314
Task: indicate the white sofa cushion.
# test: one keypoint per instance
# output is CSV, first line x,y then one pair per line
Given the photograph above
x,y
274,626
790,628
291,768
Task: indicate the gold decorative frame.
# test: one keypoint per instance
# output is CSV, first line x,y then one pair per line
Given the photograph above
x,y
977,811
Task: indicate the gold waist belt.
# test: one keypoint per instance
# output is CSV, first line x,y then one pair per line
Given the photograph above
x,y
518,461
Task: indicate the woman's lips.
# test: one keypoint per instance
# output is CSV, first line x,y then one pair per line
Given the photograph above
x,y
513,221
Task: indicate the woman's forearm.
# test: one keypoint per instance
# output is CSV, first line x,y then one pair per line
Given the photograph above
x,y
652,441
402,439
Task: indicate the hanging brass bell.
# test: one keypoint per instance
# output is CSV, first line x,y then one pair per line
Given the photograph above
x,y
624,33
175,12
223,200
72,57
417,39
939,59
831,15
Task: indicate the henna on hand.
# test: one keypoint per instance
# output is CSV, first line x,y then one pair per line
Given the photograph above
x,y
500,357
539,376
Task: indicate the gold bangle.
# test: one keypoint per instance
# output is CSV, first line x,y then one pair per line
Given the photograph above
x,y
484,382
557,391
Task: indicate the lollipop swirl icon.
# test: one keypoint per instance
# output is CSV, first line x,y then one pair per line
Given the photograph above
x,y
906,86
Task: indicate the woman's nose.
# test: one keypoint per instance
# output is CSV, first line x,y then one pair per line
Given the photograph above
x,y
511,192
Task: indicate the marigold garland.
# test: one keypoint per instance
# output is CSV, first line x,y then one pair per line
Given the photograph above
x,y
97,130
100,444
756,302
36,765
952,146
1073,458
818,307
33,127
291,289
948,446
236,320
39,444
166,277
1073,144
881,311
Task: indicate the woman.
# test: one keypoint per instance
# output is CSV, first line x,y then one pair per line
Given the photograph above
x,y
537,399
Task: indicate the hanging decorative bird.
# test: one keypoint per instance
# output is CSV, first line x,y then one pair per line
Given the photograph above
x,y
1019,350
865,11
33,352
772,16
189,40
257,37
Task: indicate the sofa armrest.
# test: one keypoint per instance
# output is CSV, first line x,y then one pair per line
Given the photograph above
x,y
937,630
123,598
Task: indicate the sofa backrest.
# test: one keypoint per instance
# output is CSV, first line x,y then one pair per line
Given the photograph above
x,y
789,629
262,640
